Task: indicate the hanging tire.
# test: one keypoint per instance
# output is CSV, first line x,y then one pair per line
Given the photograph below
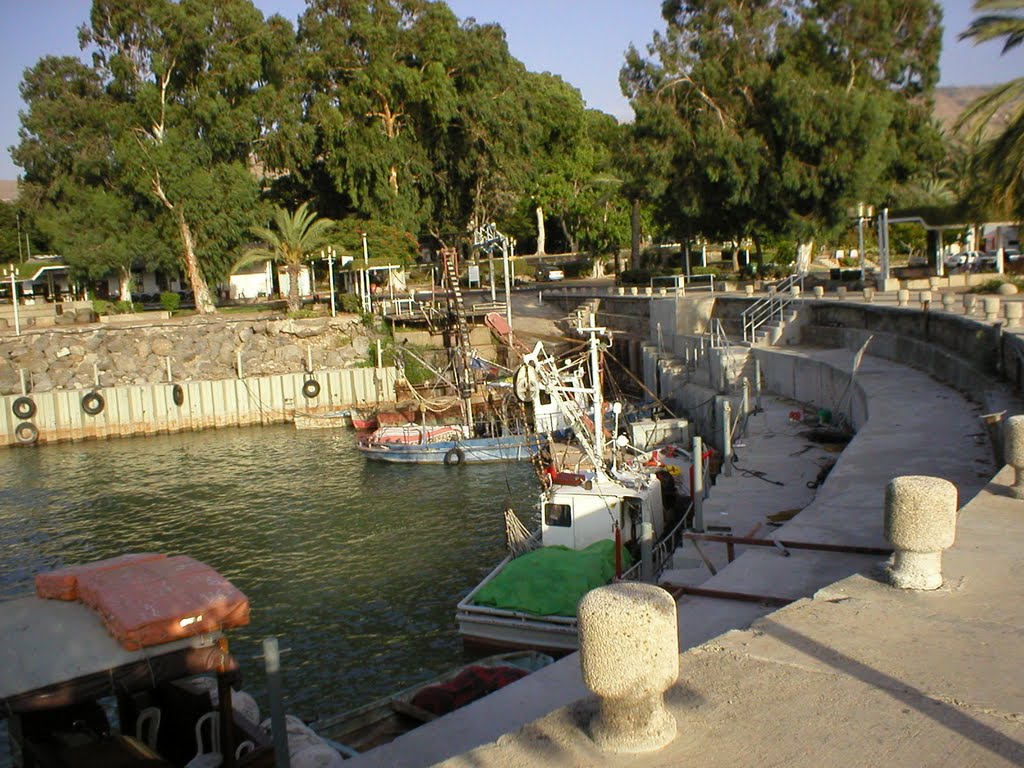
x,y
93,403
178,395
24,408
26,433
311,388
454,457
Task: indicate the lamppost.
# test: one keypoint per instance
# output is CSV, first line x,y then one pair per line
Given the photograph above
x,y
331,254
864,213
13,272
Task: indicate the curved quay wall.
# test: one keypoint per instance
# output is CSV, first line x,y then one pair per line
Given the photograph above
x,y
151,409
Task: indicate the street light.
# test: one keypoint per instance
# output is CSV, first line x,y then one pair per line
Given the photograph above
x,y
864,212
331,254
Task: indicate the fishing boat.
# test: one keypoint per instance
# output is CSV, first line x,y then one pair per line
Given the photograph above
x,y
385,719
363,419
138,628
617,516
449,445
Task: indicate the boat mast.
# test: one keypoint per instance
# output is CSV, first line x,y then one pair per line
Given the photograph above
x,y
595,381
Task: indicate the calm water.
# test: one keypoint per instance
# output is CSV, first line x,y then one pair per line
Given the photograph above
x,y
355,566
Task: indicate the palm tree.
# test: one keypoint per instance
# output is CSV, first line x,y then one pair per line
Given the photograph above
x,y
1002,158
293,237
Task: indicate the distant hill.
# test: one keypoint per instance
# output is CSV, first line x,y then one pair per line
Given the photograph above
x,y
950,102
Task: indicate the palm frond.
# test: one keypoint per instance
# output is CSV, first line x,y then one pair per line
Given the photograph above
x,y
983,110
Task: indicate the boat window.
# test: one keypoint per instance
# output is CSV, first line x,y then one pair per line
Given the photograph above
x,y
559,515
543,396
632,506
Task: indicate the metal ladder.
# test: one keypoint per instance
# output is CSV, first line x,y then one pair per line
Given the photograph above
x,y
457,309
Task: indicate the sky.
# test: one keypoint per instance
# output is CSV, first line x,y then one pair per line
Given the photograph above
x,y
584,41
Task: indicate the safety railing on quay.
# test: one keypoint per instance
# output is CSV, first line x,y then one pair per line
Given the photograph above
x,y
770,307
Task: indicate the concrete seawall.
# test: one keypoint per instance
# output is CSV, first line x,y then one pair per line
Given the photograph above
x,y
151,409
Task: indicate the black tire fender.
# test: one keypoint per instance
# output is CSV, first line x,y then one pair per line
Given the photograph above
x,y
311,388
93,403
178,395
454,457
26,433
24,407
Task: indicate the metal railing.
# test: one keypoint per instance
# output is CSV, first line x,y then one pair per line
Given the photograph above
x,y
770,307
663,550
687,282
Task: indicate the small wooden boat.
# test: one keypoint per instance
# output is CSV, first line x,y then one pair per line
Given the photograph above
x,y
385,719
363,419
330,420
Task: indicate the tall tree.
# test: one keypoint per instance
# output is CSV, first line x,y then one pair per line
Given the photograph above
x,y
185,74
1001,158
293,237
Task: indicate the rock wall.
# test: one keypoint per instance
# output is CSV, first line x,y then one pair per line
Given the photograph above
x,y
199,349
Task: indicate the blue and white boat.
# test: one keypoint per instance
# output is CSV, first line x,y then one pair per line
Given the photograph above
x,y
445,445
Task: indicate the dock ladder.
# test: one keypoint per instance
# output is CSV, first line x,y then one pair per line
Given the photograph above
x,y
771,307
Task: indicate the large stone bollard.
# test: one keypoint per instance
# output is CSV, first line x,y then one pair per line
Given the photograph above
x,y
990,305
970,303
1013,447
621,291
933,283
841,293
749,290
819,292
663,291
794,291
629,656
634,290
648,291
925,297
920,522
948,301
1014,312
869,295
902,297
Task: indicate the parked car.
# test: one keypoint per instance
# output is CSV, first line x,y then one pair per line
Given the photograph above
x,y
548,272
985,262
965,260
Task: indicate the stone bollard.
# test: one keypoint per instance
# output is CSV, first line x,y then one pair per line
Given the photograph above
x,y
948,301
621,291
869,295
902,297
749,289
634,291
629,656
925,297
841,293
933,283
819,292
648,291
1014,312
794,291
663,291
970,303
920,522
990,305
1013,447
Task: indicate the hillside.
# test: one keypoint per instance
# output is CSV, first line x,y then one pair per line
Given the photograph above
x,y
950,102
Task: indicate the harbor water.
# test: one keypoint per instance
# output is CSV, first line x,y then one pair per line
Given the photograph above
x,y
355,566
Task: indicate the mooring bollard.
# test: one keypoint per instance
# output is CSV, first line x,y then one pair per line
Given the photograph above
x,y
970,303
819,292
749,290
869,295
1014,312
1013,446
990,305
794,291
920,522
629,656
925,297
841,293
621,291
948,301
902,297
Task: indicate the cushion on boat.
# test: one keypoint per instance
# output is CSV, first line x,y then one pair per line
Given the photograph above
x,y
470,684
158,601
62,584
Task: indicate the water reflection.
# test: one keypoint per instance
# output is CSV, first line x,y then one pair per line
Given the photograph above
x,y
355,566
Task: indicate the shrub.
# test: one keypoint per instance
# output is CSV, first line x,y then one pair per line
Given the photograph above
x,y
170,301
635,277
350,303
706,271
101,306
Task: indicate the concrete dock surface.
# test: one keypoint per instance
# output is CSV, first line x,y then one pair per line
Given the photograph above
x,y
852,673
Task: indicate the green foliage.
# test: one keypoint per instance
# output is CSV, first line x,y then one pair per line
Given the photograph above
x,y
384,243
350,303
708,270
634,277
170,301
103,307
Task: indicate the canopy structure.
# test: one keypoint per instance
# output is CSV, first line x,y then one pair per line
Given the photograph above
x,y
55,653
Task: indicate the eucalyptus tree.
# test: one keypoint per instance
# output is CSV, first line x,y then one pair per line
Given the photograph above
x,y
773,116
1001,158
184,76
293,238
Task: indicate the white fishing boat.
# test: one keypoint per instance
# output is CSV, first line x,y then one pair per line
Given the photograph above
x,y
615,506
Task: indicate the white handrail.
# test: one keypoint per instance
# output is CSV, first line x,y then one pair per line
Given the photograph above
x,y
771,306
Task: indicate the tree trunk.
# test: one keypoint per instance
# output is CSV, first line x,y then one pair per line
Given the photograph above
x,y
736,255
569,241
294,302
634,239
540,231
124,289
803,256
200,290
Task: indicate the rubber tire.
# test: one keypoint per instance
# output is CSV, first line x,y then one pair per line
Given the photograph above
x,y
93,403
454,457
311,388
178,395
24,408
26,433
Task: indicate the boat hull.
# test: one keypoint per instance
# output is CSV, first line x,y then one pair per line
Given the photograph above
x,y
473,451
331,420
